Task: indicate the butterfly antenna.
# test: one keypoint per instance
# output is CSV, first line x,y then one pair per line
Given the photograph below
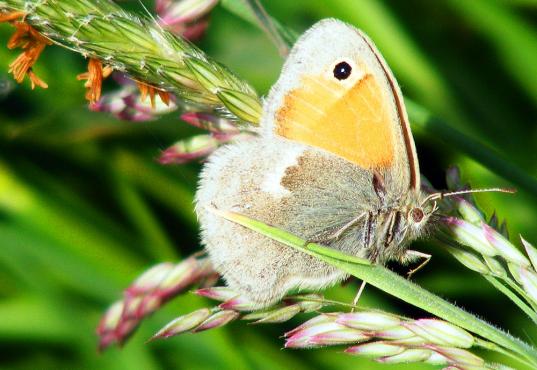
x,y
268,26
442,195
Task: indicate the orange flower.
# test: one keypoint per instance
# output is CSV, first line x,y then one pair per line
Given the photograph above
x,y
146,90
94,76
11,16
33,43
36,81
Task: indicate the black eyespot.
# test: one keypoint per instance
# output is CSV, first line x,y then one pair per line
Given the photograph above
x,y
342,70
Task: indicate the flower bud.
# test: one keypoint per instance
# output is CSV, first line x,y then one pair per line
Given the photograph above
x,y
182,275
244,106
194,31
397,333
150,279
313,330
274,316
469,212
441,332
437,359
217,320
238,303
495,266
531,251
310,306
408,355
149,292
183,324
416,340
108,324
126,103
375,349
182,11
469,235
149,304
210,122
218,293
469,260
317,320
337,337
368,320
528,279
504,246
459,357
305,336
187,150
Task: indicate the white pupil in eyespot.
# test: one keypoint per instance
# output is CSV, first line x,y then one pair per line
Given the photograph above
x,y
342,70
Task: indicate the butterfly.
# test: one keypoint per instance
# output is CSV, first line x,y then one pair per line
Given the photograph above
x,y
334,161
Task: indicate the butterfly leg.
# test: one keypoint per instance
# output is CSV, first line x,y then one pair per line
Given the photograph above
x,y
411,256
358,295
335,235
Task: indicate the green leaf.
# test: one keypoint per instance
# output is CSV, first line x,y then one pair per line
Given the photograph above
x,y
391,283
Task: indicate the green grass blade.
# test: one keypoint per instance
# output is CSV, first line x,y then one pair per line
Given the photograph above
x,y
423,121
154,240
513,297
393,284
513,37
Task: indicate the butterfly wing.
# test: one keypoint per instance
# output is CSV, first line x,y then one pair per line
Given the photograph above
x,y
360,117
329,142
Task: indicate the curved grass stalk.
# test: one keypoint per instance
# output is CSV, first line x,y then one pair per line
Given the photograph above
x,y
421,119
395,285
503,284
269,26
150,55
513,297
521,293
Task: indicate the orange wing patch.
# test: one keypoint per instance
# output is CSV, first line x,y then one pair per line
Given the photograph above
x,y
353,122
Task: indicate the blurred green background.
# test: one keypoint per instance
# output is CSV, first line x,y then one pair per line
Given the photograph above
x,y
84,207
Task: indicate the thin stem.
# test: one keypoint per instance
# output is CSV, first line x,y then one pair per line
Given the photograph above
x,y
322,300
439,130
403,289
478,342
520,291
393,284
493,347
513,297
268,26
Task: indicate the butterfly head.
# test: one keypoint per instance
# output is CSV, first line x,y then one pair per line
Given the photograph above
x,y
418,217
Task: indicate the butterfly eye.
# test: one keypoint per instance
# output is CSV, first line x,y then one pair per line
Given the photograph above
x,y
417,215
342,70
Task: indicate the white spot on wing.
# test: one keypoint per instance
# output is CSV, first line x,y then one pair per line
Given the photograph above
x,y
272,182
